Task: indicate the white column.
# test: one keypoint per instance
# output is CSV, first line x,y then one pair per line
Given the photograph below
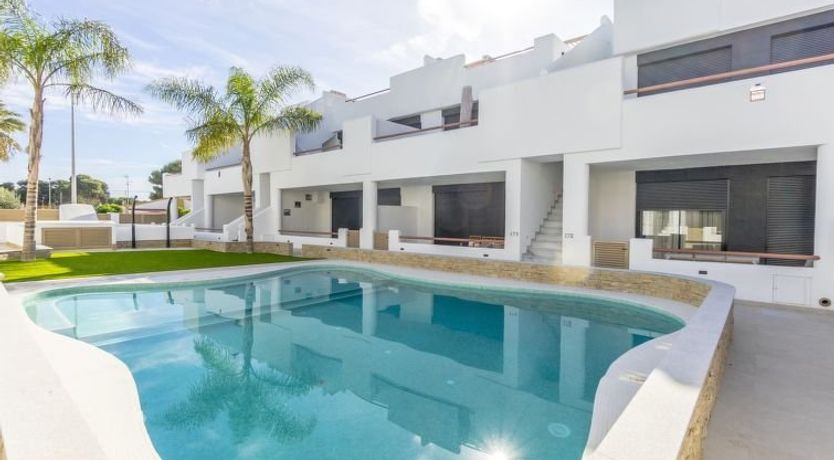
x,y
278,208
824,226
369,211
208,216
512,210
576,242
369,309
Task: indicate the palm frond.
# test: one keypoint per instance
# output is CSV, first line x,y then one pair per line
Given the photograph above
x,y
9,123
282,83
295,119
214,137
241,90
85,47
191,96
102,100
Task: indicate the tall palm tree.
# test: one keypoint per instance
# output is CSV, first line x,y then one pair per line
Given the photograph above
x,y
9,124
67,55
247,108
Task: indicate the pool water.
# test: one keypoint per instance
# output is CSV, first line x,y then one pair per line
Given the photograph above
x,y
353,364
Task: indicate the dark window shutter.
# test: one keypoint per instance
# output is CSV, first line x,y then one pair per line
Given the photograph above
x,y
683,195
694,65
801,44
790,215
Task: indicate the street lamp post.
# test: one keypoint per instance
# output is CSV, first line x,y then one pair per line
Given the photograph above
x,y
49,190
73,186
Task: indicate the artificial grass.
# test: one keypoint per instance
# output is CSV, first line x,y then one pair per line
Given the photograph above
x,y
80,264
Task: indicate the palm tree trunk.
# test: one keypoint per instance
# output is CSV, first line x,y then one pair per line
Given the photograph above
x,y
34,151
246,171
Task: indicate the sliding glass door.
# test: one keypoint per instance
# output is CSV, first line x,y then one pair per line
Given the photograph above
x,y
684,228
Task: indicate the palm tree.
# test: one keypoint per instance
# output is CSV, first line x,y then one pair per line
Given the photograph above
x,y
252,397
247,108
66,54
9,124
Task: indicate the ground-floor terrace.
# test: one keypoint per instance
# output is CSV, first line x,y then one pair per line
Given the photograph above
x,y
749,218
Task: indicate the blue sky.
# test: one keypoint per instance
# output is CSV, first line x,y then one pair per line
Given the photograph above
x,y
350,46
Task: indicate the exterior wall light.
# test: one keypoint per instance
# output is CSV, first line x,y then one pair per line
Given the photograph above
x,y
758,92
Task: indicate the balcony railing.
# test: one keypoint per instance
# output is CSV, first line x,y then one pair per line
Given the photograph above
x,y
308,233
365,96
299,153
462,124
734,256
735,74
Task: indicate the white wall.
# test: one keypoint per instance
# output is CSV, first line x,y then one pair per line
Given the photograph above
x,y
402,218
312,216
226,208
613,195
759,283
421,198
145,232
646,24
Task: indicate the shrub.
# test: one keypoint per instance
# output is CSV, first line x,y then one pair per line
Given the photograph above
x,y
182,210
8,199
105,208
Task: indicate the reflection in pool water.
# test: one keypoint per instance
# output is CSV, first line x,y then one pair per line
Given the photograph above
x,y
348,364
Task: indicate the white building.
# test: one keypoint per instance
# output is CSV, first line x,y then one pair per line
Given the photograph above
x,y
576,152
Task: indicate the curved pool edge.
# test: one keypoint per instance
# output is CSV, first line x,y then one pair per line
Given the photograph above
x,y
674,399
63,398
137,434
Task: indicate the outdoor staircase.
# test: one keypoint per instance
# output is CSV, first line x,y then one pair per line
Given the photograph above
x,y
546,247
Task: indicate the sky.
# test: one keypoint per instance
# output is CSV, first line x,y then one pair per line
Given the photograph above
x,y
350,46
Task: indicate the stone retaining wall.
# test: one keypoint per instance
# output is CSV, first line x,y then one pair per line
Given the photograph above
x,y
153,244
269,247
660,286
693,444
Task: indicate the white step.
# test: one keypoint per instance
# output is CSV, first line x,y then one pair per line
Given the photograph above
x,y
548,238
552,224
538,244
544,252
550,232
542,260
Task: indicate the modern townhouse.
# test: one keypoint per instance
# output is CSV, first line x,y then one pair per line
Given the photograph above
x,y
689,138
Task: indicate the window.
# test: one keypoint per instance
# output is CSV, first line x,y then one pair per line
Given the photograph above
x,y
452,115
693,65
815,41
684,229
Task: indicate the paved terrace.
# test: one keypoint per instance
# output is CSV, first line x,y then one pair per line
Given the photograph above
x,y
777,396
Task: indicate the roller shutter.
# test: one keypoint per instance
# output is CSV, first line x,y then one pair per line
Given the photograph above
x,y
790,215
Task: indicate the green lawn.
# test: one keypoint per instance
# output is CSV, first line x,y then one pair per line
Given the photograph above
x,y
78,264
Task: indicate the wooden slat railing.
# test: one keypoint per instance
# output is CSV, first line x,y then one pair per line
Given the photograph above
x,y
462,124
751,255
473,241
752,71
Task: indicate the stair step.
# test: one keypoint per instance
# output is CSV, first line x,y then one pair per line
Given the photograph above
x,y
545,252
537,244
552,223
548,238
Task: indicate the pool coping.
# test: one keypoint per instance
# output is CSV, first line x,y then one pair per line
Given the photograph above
x,y
105,438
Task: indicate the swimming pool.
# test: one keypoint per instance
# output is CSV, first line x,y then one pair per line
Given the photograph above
x,y
329,362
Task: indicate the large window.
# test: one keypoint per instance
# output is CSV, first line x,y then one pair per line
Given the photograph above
x,y
684,228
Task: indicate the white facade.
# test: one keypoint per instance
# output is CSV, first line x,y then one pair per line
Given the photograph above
x,y
556,126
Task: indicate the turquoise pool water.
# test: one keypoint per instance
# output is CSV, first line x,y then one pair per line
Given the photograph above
x,y
352,364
